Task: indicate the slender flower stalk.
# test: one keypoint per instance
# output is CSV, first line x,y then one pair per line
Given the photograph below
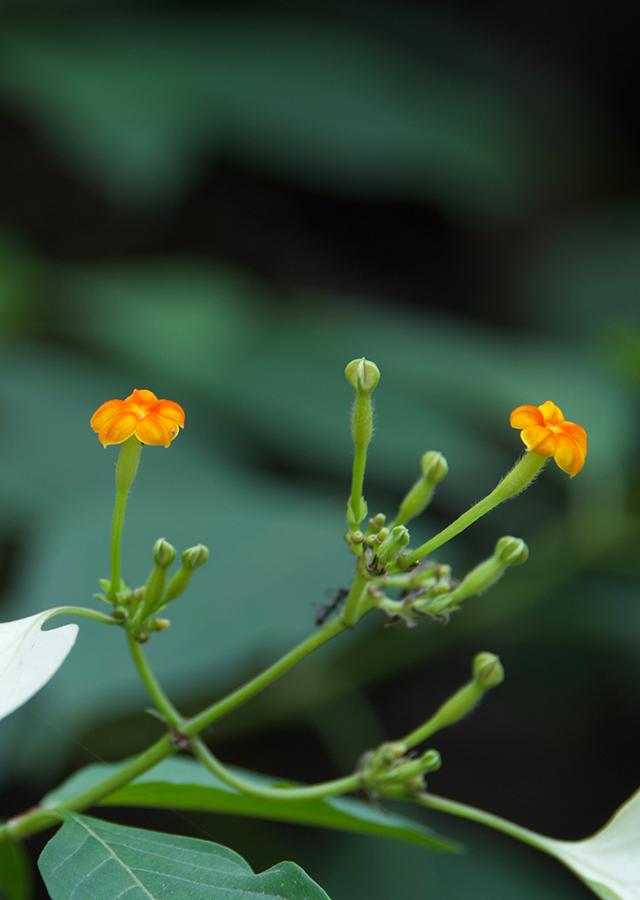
x,y
126,469
515,481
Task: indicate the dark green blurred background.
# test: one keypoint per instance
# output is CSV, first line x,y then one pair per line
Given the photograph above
x,y
225,203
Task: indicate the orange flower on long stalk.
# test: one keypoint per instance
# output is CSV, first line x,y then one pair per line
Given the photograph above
x,y
152,421
545,432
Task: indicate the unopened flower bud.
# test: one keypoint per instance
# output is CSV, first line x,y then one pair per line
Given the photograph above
x,y
434,466
511,551
393,545
191,559
160,624
487,670
163,553
195,556
430,761
363,375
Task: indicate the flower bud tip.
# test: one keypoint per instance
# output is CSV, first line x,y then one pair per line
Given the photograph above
x,y
163,553
487,670
195,556
363,375
434,466
511,551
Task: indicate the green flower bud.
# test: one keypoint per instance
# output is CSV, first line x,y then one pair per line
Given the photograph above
x,y
163,553
487,670
379,520
191,559
430,761
195,556
160,624
363,375
393,545
511,551
434,466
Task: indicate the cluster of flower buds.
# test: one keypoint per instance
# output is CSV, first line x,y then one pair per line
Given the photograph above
x,y
138,609
392,771
430,592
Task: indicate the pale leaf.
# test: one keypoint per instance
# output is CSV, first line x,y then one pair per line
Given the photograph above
x,y
30,657
609,860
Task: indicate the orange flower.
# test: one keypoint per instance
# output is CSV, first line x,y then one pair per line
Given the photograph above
x,y
545,432
152,421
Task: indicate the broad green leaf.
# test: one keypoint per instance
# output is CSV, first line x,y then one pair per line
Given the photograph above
x,y
93,860
139,103
30,657
185,784
16,880
609,861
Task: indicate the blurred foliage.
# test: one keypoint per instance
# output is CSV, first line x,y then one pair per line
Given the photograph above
x,y
362,106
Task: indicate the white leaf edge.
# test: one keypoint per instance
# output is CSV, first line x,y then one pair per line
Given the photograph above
x,y
608,861
30,657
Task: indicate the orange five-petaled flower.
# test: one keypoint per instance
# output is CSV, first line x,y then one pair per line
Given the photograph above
x,y
152,421
544,431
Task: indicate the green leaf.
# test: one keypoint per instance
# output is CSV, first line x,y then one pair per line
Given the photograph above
x,y
185,784
16,880
138,104
93,860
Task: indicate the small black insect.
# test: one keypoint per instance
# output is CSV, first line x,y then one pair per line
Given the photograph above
x,y
325,611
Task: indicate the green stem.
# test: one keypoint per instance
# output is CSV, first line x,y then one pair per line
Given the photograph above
x,y
126,469
515,481
357,477
247,691
357,592
88,613
41,817
152,685
479,815
313,792
450,712
44,817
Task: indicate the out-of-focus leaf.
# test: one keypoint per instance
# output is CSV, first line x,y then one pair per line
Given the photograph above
x,y
92,860
30,657
16,880
137,103
584,273
186,784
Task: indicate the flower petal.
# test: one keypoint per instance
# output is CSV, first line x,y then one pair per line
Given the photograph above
x,y
526,416
155,430
551,413
106,412
143,399
578,434
167,409
568,454
539,440
118,429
